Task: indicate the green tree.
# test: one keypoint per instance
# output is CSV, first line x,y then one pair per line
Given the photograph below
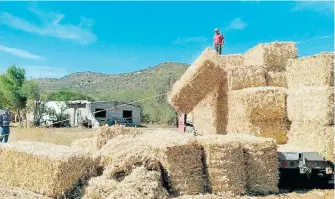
x,y
35,101
10,87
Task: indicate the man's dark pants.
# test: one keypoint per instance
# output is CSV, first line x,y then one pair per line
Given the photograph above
x,y
218,48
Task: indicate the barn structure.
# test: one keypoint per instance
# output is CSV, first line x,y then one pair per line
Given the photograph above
x,y
93,114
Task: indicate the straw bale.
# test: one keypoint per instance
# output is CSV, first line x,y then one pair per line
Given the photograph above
x,y
46,168
315,104
89,144
141,183
261,159
7,192
105,133
257,104
181,159
204,75
312,135
272,56
224,165
210,115
317,71
245,76
233,59
171,152
100,187
276,79
276,129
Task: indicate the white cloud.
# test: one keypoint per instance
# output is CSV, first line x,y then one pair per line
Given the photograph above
x,y
44,72
19,52
51,26
237,24
323,7
200,39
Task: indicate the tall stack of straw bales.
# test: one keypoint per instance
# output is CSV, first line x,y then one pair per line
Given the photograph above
x,y
310,103
257,97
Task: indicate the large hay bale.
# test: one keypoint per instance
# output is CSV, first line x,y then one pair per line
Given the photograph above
x,y
173,153
224,165
245,76
276,79
317,71
106,133
210,115
181,161
46,168
141,183
261,163
272,56
315,104
7,192
233,59
257,104
313,136
204,75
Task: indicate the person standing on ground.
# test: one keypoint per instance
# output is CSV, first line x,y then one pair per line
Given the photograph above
x,y
4,126
218,41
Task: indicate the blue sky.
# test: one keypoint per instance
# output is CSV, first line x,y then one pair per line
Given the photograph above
x,y
52,39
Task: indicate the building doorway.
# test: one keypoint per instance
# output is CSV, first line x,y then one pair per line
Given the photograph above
x,y
128,116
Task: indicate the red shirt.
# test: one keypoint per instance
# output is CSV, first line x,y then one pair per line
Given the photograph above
x,y
218,39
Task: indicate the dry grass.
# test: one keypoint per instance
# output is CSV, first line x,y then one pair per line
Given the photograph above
x,y
60,136
233,59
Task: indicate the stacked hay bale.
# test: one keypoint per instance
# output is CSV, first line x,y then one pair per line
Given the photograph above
x,y
259,111
273,58
43,168
261,163
255,105
238,163
224,165
210,115
175,155
200,79
310,103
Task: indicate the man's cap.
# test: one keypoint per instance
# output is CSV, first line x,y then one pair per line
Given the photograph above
x,y
216,30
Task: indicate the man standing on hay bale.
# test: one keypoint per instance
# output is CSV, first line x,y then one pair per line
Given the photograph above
x,y
4,126
218,41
